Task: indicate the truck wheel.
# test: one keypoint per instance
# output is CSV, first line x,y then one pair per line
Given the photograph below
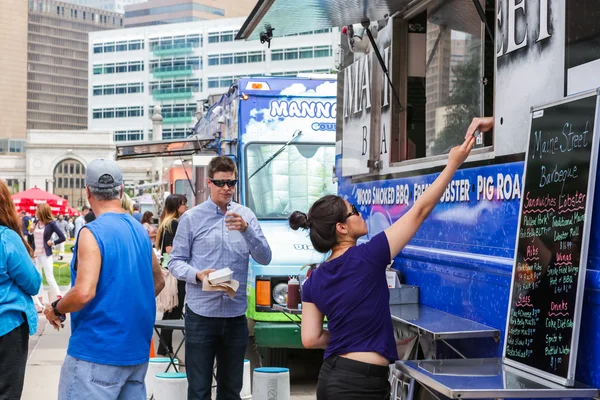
x,y
275,357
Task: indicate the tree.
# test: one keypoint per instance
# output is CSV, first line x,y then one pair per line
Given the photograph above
x,y
463,103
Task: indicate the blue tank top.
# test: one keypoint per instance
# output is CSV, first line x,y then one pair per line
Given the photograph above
x,y
115,328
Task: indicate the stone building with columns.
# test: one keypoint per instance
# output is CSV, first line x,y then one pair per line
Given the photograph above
x,y
55,161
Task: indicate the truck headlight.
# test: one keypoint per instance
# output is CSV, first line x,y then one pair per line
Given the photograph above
x,y
280,293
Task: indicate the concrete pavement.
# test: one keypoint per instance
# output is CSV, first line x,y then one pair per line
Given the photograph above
x,y
47,352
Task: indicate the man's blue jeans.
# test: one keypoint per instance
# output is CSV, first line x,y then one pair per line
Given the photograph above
x,y
207,338
90,381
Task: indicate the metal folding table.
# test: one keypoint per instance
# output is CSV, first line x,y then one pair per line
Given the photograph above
x,y
170,325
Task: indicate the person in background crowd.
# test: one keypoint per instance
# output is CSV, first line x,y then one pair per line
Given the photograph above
x,y
175,206
18,282
26,222
147,223
90,217
127,204
215,234
63,225
80,221
71,227
43,230
136,212
350,289
114,264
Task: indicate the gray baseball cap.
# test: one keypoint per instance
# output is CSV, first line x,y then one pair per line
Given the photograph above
x,y
103,174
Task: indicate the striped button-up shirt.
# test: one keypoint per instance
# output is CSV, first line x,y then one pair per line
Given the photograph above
x,y
203,241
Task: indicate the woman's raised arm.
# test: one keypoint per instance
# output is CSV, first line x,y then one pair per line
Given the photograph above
x,y
403,230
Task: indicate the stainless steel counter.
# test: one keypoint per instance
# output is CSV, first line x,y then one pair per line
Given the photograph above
x,y
485,378
439,324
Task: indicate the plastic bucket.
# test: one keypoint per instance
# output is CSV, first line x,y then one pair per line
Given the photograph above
x,y
246,392
271,383
171,386
156,365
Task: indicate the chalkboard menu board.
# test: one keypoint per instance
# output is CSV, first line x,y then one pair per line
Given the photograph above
x,y
551,250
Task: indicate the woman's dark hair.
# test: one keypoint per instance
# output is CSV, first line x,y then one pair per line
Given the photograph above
x,y
169,214
147,217
322,218
173,202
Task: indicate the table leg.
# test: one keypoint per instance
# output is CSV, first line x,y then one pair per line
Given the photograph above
x,y
179,347
171,358
394,386
411,389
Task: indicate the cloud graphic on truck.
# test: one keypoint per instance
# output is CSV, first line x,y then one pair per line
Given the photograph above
x,y
299,89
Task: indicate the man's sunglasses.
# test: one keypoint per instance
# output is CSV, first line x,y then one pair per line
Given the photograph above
x,y
220,183
353,212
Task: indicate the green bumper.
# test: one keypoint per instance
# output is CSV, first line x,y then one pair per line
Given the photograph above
x,y
284,335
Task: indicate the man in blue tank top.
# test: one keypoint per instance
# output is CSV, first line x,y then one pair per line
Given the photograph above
x,y
112,302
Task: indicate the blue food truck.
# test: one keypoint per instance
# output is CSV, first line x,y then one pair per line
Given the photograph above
x,y
414,75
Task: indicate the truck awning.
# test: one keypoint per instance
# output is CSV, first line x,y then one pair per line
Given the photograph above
x,y
165,148
289,17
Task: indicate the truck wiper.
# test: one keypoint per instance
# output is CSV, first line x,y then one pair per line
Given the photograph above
x,y
295,136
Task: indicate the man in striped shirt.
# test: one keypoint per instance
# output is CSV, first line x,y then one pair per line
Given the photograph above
x,y
216,234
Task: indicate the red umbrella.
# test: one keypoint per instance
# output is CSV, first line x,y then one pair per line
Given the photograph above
x,y
72,212
29,199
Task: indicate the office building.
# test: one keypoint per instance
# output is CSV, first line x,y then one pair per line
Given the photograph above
x,y
178,65
58,62
43,75
117,6
13,74
158,12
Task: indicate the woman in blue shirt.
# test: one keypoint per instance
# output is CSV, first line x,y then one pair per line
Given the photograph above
x,y
351,290
19,280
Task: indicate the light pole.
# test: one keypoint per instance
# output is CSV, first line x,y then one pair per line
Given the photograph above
x,y
72,184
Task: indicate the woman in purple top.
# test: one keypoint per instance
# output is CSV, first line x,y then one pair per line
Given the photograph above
x,y
351,290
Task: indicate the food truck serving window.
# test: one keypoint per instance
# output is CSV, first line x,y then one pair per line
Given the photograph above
x,y
441,64
454,70
446,90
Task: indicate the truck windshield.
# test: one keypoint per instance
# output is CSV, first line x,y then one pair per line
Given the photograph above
x,y
293,181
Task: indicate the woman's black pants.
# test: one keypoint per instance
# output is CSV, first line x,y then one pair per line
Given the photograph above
x,y
13,358
342,378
